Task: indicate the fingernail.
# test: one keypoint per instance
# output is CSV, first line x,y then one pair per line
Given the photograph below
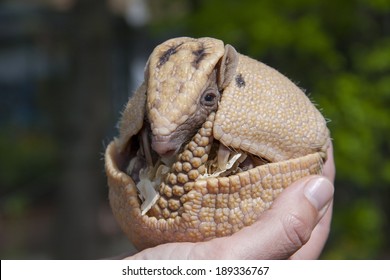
x,y
319,191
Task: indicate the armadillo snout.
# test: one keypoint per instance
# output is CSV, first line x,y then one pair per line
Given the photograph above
x,y
164,146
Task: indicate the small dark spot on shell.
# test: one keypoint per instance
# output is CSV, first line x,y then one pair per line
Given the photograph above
x,y
240,82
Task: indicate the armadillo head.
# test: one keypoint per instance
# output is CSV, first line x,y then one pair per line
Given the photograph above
x,y
182,78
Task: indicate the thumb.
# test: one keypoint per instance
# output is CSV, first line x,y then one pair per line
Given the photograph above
x,y
285,227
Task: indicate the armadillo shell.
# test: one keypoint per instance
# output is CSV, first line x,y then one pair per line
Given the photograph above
x,y
218,207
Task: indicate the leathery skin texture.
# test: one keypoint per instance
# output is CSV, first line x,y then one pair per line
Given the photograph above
x,y
261,134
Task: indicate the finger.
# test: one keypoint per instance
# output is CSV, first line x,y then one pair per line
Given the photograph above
x,y
166,251
329,169
313,248
281,230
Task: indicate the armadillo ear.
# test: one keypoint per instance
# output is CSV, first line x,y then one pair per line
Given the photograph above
x,y
227,67
146,70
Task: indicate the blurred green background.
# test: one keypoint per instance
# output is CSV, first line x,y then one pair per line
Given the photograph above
x,y
67,68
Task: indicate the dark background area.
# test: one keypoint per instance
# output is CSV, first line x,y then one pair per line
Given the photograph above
x,y
67,68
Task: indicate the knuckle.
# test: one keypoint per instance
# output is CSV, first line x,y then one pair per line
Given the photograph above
x,y
296,229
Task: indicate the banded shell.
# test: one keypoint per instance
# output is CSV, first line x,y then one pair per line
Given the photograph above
x,y
265,127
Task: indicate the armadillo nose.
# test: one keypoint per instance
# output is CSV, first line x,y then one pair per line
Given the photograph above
x,y
163,148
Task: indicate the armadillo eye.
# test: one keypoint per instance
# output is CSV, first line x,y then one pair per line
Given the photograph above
x,y
209,98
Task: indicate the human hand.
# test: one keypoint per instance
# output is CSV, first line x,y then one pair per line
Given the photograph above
x,y
295,227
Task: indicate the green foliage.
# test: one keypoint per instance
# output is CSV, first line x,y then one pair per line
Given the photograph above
x,y
357,227
340,52
24,155
26,168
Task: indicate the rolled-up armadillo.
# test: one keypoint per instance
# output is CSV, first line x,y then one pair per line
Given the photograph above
x,y
207,143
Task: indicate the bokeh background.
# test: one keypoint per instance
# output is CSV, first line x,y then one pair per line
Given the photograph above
x,y
67,68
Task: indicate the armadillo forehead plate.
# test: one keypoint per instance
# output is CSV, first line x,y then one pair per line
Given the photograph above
x,y
177,73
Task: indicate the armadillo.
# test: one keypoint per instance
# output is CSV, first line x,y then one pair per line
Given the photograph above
x,y
207,142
